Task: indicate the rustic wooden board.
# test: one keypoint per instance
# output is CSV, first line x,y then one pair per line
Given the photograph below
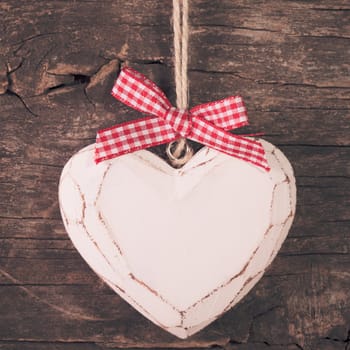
x,y
58,60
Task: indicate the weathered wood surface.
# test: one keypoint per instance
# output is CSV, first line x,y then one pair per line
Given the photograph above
x,y
58,59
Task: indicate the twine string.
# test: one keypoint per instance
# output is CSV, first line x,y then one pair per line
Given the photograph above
x,y
179,152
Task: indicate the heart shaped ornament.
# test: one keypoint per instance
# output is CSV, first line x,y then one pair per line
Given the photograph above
x,y
182,246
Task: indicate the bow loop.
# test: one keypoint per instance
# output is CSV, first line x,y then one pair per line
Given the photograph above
x,y
207,123
179,120
138,92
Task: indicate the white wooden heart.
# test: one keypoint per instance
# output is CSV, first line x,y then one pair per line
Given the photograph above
x,y
182,246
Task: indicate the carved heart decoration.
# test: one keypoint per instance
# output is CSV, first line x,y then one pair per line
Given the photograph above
x,y
182,246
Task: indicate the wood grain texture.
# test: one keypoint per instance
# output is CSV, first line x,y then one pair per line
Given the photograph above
x,y
58,59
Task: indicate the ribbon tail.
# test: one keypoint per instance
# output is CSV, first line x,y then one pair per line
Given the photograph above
x,y
240,147
228,113
132,136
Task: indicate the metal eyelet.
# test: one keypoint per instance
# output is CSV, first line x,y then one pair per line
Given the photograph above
x,y
185,152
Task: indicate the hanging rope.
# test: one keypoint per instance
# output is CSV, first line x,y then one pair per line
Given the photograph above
x,y
180,26
179,152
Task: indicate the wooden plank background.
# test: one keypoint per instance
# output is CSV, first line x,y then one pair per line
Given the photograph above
x,y
289,59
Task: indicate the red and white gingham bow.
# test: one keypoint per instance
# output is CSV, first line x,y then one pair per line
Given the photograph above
x,y
206,123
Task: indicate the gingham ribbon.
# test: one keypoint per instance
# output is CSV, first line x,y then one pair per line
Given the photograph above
x,y
206,123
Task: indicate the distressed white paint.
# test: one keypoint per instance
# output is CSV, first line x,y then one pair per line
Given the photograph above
x,y
180,245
